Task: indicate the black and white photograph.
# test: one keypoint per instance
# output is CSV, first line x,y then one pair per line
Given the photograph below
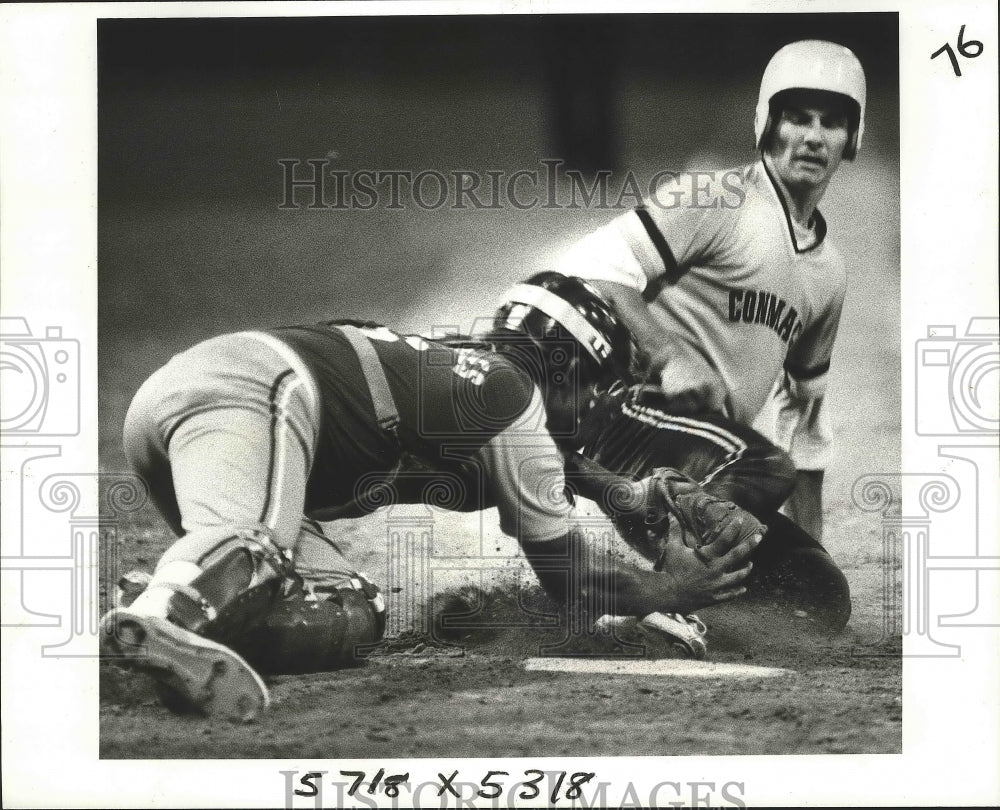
x,y
442,407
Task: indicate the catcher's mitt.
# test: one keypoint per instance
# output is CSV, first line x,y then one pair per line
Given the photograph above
x,y
708,525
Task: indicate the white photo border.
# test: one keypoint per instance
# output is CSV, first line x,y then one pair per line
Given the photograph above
x,y
48,249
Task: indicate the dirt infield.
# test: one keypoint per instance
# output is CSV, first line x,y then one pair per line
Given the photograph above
x,y
843,694
488,706
477,699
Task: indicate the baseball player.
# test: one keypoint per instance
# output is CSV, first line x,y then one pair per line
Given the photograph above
x,y
241,435
736,298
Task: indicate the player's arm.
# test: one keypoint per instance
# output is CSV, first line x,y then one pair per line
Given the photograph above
x,y
631,259
690,384
569,552
802,424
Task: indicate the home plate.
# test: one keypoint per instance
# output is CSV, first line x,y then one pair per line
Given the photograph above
x,y
672,667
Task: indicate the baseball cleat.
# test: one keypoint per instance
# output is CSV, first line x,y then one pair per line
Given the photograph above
x,y
686,634
194,673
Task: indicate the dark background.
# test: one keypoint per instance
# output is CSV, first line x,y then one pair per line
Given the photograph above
x,y
200,107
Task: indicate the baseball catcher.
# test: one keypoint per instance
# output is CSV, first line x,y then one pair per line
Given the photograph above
x,y
243,434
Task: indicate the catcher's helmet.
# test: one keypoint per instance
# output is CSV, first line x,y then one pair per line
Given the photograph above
x,y
547,310
813,64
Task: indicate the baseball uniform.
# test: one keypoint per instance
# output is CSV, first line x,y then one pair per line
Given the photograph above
x,y
259,427
745,290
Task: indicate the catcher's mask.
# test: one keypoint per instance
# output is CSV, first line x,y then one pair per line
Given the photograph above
x,y
563,332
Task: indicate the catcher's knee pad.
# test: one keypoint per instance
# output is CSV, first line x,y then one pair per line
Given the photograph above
x,y
323,625
243,573
249,598
317,629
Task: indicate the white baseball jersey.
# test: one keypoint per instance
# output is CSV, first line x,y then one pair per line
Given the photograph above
x,y
725,268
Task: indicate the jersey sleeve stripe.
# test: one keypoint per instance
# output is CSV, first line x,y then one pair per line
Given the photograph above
x,y
808,373
672,270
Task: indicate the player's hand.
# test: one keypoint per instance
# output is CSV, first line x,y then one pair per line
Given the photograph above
x,y
714,573
690,384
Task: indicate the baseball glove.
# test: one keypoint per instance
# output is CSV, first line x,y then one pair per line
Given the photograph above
x,y
708,525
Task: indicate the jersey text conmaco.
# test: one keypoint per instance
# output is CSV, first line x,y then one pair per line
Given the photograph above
x,y
759,306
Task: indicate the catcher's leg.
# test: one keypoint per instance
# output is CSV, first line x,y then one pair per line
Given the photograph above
x,y
180,632
231,425
328,624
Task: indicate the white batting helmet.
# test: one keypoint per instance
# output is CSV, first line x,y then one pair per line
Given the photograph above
x,y
813,64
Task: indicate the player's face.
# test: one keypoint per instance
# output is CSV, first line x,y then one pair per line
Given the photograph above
x,y
809,141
